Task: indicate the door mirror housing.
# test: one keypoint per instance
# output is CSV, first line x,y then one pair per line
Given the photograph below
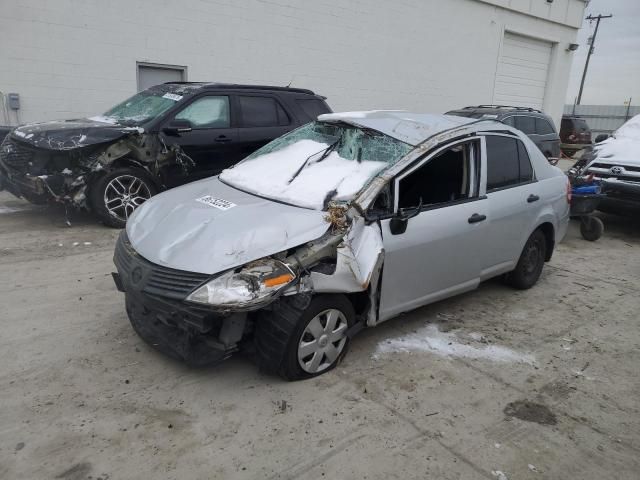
x,y
602,137
176,127
399,222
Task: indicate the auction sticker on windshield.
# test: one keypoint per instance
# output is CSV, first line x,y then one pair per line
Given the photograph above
x,y
218,203
172,96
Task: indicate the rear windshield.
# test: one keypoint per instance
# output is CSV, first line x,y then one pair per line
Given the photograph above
x,y
575,124
315,164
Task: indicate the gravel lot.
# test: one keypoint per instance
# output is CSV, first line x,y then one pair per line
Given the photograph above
x,y
493,384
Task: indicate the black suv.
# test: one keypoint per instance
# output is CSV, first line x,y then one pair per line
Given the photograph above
x,y
162,137
533,123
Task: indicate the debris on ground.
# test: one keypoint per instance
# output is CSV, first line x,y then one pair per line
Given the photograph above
x,y
531,412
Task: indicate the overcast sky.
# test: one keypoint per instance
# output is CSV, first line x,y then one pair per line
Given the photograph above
x,y
614,70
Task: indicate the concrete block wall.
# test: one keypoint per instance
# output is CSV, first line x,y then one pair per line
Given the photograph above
x,y
71,58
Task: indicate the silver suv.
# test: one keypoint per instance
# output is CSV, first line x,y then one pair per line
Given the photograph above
x,y
341,224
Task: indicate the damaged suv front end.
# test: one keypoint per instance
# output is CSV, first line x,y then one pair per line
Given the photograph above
x,y
65,161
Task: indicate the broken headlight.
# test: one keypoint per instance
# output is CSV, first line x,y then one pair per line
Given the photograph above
x,y
247,286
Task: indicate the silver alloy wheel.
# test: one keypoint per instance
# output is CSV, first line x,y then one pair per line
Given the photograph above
x,y
123,194
322,341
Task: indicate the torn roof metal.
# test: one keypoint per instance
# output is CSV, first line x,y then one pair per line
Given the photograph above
x,y
408,127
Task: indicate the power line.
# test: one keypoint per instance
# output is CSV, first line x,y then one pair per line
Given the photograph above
x,y
592,43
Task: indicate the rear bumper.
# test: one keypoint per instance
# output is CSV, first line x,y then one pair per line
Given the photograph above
x,y
574,147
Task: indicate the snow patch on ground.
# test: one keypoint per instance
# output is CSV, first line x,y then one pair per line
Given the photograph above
x,y
4,209
270,175
624,145
449,344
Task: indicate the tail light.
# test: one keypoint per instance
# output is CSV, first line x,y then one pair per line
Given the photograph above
x,y
569,194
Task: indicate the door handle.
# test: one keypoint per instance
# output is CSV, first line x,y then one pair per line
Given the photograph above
x,y
475,218
532,198
222,139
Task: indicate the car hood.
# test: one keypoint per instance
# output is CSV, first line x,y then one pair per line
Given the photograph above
x,y
208,227
71,134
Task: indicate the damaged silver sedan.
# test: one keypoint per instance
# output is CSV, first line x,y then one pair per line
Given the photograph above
x,y
339,225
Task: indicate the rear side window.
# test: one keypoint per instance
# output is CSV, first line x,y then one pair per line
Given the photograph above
x,y
262,112
508,163
543,127
526,125
509,121
312,107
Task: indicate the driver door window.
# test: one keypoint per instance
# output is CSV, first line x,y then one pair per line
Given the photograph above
x,y
451,176
207,112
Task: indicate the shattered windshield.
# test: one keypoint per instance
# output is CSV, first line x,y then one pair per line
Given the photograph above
x,y
316,163
140,108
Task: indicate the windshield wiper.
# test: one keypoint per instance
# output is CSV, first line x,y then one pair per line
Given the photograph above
x,y
325,153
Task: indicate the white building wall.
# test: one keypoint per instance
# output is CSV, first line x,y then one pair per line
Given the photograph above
x,y
71,58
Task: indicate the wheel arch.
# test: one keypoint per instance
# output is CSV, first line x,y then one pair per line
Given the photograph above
x,y
128,162
548,230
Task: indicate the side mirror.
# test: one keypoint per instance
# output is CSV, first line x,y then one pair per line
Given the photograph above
x,y
176,127
602,137
398,223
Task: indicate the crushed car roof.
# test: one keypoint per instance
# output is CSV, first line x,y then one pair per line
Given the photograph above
x,y
411,128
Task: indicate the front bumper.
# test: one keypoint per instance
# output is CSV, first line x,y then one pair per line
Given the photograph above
x,y
25,186
621,195
154,298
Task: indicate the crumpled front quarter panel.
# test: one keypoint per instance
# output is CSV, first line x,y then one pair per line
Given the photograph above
x,y
176,230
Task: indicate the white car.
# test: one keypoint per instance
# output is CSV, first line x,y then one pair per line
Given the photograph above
x,y
343,223
615,163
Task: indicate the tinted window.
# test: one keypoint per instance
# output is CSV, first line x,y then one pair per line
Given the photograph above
x,y
507,163
262,112
526,124
574,125
207,112
543,127
526,171
509,121
313,107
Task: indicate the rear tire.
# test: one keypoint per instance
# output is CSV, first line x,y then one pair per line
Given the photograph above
x,y
297,341
115,196
591,228
530,263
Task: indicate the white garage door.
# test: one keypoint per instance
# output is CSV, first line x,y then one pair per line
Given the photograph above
x,y
523,67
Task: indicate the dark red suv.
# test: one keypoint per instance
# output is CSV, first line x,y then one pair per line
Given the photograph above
x,y
575,134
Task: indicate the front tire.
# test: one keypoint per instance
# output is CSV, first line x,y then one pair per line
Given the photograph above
x,y
530,263
116,195
299,342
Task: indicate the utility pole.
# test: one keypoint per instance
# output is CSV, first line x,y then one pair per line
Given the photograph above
x,y
591,18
